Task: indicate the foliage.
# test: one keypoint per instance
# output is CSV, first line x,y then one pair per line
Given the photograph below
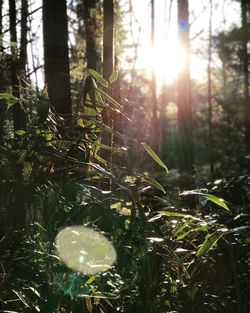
x,y
166,249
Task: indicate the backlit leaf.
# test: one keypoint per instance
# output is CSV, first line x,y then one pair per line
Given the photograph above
x,y
217,201
154,156
209,242
220,202
10,99
90,280
154,183
20,132
113,77
98,77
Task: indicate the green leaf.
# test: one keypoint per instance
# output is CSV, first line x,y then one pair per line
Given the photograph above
x,y
110,99
154,183
154,156
209,242
10,99
90,280
98,77
89,305
116,205
113,77
201,228
220,202
217,201
27,170
176,214
40,226
100,159
183,226
7,96
20,132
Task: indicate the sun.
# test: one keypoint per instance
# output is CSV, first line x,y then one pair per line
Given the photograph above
x,y
168,59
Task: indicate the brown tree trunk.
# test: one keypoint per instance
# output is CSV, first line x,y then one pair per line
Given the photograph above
x,y
1,24
108,34
245,6
154,122
56,57
18,206
209,95
108,56
118,121
90,29
184,93
2,108
24,41
18,112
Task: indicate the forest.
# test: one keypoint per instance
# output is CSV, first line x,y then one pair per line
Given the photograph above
x,y
125,156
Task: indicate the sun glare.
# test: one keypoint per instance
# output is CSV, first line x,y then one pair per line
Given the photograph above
x,y
168,61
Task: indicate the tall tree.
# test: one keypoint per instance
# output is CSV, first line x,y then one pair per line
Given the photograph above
x,y
90,31
108,63
56,55
24,31
184,93
18,112
108,34
18,63
245,14
1,24
209,79
2,109
154,122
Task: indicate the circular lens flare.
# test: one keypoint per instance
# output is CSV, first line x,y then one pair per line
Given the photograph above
x,y
85,250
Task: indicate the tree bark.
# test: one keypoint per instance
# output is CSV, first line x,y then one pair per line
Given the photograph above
x,y
209,95
1,24
18,112
108,34
2,108
154,123
56,56
184,92
24,41
245,5
108,56
90,29
18,206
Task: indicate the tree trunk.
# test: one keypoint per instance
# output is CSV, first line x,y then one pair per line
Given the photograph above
x,y
118,158
24,41
118,123
90,29
154,122
108,56
1,24
108,33
18,112
184,93
209,95
245,6
2,107
56,58
18,206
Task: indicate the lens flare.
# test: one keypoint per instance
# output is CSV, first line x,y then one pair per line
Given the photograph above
x,y
85,250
